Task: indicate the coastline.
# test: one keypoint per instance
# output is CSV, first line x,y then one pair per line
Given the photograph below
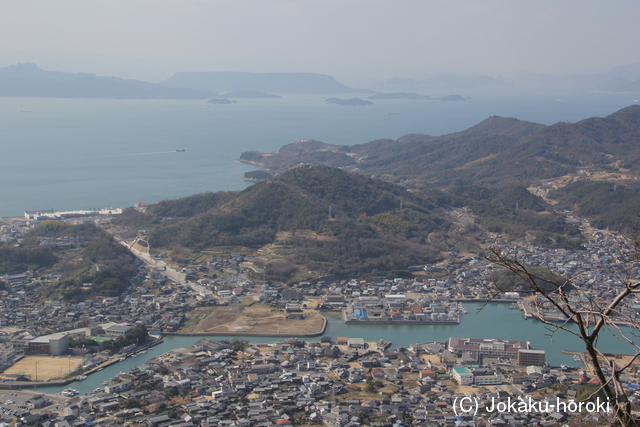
x,y
251,162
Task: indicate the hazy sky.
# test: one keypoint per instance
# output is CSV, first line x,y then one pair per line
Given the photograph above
x,y
353,40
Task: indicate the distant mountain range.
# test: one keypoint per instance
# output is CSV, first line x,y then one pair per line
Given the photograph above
x,y
619,84
443,81
493,152
303,83
629,72
598,81
27,80
497,152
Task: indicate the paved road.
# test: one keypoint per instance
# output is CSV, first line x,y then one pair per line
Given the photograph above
x,y
170,272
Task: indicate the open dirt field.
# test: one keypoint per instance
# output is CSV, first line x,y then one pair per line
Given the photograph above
x,y
256,319
47,367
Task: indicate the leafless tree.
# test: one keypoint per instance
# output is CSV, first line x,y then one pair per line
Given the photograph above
x,y
593,314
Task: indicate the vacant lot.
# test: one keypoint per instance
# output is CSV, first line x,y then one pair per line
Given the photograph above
x,y
46,367
257,319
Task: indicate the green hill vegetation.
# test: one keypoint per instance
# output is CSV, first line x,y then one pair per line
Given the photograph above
x,y
608,205
352,224
514,211
327,220
498,152
546,280
301,152
90,261
22,259
258,175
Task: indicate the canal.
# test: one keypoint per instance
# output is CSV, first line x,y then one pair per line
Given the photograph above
x,y
493,321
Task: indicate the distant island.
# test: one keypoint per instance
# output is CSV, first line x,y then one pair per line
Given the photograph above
x,y
250,94
302,83
452,98
221,101
399,95
27,80
416,96
353,102
619,84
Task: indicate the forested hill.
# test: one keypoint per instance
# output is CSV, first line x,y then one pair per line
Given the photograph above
x,y
332,221
89,261
497,151
326,220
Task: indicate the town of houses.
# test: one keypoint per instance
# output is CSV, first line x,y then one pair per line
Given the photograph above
x,y
319,382
293,382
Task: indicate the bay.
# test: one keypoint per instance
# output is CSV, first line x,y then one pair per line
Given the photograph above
x,y
68,154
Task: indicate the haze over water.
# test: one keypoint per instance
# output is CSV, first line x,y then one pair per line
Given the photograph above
x,y
68,154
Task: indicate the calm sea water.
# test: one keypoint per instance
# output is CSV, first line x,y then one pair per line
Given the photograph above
x,y
66,154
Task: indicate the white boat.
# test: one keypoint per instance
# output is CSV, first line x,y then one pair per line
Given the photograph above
x,y
69,392
81,377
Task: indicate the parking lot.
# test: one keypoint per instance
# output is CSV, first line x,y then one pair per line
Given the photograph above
x,y
13,403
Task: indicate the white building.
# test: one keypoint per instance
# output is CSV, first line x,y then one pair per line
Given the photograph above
x,y
118,329
487,379
461,375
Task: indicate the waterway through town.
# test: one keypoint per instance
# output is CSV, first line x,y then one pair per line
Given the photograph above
x,y
493,321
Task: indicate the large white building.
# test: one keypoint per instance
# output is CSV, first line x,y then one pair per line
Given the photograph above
x,y
494,379
117,329
7,354
487,347
462,375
